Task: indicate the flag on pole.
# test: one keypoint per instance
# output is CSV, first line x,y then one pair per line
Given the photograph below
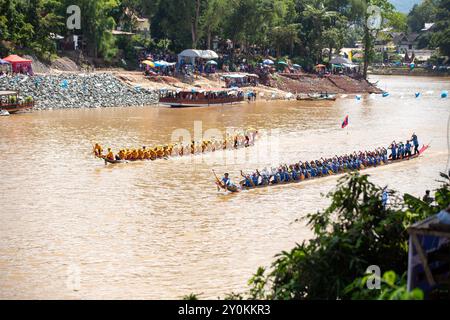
x,y
345,123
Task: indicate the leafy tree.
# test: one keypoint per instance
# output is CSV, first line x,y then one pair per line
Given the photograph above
x,y
163,44
19,30
96,26
284,36
334,37
213,18
441,35
422,13
45,22
385,8
250,22
398,21
172,20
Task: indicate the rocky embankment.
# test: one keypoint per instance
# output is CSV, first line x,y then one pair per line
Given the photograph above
x,y
79,91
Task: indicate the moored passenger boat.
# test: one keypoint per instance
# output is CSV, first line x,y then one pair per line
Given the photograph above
x,y
201,97
317,97
10,102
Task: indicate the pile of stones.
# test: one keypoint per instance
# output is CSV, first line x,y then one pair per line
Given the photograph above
x,y
78,91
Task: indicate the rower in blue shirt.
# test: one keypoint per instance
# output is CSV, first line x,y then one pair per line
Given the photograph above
x,y
393,148
295,175
247,182
255,179
415,141
378,159
374,160
284,176
226,180
265,178
401,150
334,167
408,149
276,177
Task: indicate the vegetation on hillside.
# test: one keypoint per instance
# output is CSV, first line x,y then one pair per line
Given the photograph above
x,y
284,27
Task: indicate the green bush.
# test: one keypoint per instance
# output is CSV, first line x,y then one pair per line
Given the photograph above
x,y
191,296
392,287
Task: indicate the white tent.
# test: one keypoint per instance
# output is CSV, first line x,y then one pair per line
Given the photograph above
x,y
340,60
190,55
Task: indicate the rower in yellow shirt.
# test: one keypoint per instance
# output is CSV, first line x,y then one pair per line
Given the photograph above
x,y
169,150
135,155
141,154
159,152
147,154
98,150
204,146
153,154
166,152
110,155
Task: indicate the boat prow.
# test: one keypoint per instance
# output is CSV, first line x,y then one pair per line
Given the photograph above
x,y
114,161
232,189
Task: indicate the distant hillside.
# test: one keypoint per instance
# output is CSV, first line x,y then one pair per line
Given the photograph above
x,y
404,5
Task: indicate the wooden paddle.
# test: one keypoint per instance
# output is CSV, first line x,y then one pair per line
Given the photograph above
x,y
218,183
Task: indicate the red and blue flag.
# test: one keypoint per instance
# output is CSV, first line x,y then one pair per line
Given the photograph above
x,y
345,123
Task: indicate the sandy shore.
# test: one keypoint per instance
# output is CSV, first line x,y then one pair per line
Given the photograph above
x,y
135,78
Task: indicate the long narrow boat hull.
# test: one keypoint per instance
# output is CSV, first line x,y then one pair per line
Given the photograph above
x,y
18,108
421,151
114,161
316,99
192,105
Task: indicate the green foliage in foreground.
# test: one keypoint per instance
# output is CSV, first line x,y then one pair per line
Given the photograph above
x,y
191,296
392,287
354,232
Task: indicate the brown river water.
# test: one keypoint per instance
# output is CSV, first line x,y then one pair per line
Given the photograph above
x,y
71,227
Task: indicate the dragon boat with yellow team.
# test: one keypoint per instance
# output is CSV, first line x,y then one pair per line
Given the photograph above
x,y
239,140
313,170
